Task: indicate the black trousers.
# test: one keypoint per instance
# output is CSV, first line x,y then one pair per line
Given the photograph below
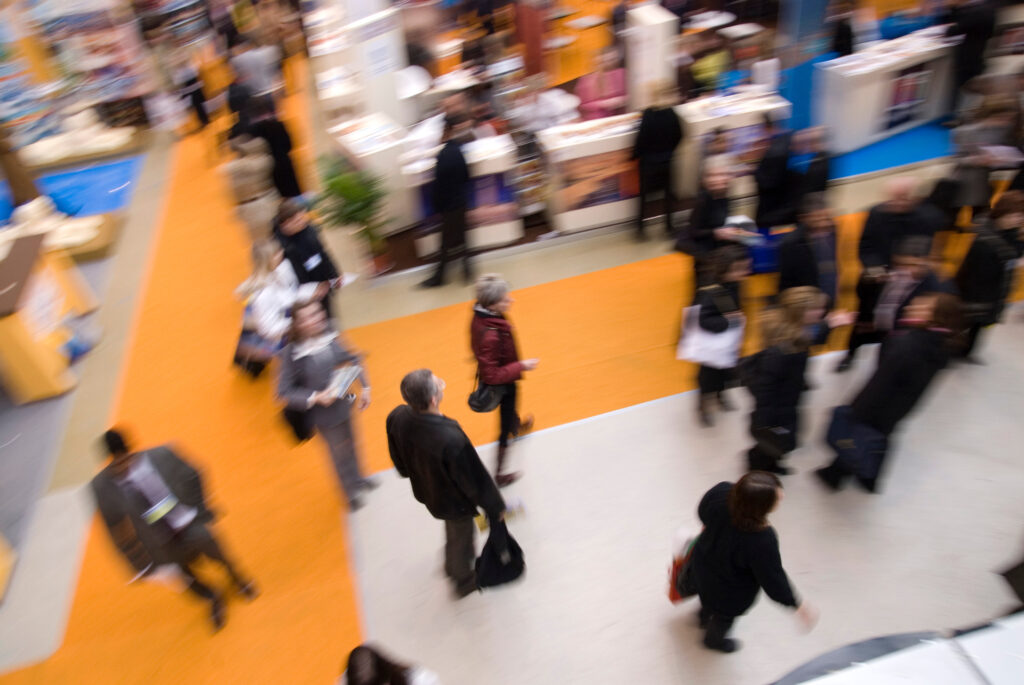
x,y
198,102
712,381
453,242
653,177
868,293
509,417
460,551
716,626
195,541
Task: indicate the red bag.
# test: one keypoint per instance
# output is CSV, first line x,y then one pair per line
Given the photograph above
x,y
678,590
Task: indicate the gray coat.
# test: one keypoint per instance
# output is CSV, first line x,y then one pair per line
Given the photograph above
x,y
300,378
116,506
974,188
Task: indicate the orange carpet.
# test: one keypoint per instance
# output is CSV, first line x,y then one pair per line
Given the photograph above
x,y
605,340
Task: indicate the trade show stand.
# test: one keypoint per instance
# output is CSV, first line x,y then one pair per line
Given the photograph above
x,y
592,174
887,88
494,216
740,115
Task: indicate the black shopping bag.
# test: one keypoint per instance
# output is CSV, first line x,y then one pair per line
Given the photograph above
x,y
501,560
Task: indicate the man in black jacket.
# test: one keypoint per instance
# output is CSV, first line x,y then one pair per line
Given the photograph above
x,y
300,239
772,176
446,473
888,224
975,20
807,256
451,196
153,505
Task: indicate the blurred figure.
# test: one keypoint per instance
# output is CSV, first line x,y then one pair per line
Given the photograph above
x,y
737,555
273,290
603,93
772,177
717,153
265,124
975,160
259,67
240,98
367,666
498,363
841,14
778,377
659,135
308,364
907,365
707,230
888,224
154,508
256,199
807,256
451,195
815,178
975,20
309,258
619,22
445,471
185,74
986,275
720,311
711,60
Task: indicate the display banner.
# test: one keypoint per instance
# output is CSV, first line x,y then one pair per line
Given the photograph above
x,y
596,180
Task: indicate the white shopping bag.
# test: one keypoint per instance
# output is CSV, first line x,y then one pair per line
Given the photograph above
x,y
717,350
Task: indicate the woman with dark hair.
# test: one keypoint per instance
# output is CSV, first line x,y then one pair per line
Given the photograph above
x,y
308,383
367,666
310,260
719,311
986,275
737,555
265,124
908,362
498,363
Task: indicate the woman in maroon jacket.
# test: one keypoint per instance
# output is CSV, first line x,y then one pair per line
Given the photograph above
x,y
498,362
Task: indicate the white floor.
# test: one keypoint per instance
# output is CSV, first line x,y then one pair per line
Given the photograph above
x,y
604,496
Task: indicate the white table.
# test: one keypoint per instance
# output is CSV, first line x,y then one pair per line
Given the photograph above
x,y
854,95
709,20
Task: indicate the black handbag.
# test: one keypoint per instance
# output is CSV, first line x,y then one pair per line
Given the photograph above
x,y
300,424
485,398
501,560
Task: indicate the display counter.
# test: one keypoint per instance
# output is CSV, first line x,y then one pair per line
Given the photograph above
x,y
592,176
740,115
885,89
494,217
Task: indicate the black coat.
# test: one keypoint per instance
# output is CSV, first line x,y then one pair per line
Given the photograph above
x,y
708,214
815,178
976,23
777,386
730,566
659,135
842,38
774,196
280,143
798,265
907,364
715,302
309,259
439,460
884,229
986,275
451,179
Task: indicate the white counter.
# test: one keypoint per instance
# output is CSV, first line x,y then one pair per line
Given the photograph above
x,y
883,90
592,176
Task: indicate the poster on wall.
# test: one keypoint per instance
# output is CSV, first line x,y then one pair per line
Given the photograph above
x,y
596,180
909,95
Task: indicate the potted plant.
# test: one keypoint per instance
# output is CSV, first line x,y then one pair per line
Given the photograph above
x,y
356,199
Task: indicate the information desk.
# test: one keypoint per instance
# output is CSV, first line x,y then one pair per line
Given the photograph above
x,y
740,115
592,175
885,89
493,217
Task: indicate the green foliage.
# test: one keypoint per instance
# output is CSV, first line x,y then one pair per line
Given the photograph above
x,y
353,198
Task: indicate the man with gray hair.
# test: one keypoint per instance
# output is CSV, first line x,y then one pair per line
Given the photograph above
x,y
447,476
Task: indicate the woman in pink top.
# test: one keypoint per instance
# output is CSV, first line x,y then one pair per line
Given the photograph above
x,y
603,93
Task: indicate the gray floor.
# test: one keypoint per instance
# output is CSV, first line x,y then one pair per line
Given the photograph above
x,y
603,498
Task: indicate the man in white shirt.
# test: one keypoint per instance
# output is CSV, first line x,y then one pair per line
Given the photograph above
x,y
153,505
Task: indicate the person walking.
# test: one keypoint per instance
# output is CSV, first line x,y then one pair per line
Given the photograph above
x,y
719,312
263,123
451,196
908,363
310,260
707,230
153,505
774,206
498,363
807,256
445,472
256,199
985,277
659,135
975,20
737,555
308,365
992,128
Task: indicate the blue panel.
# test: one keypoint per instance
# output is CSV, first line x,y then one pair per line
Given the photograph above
x,y
86,191
919,144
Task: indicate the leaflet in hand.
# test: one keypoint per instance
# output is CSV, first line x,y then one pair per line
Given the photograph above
x,y
343,378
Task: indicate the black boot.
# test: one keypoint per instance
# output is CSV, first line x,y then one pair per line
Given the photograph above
x,y
831,476
500,477
715,634
704,412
